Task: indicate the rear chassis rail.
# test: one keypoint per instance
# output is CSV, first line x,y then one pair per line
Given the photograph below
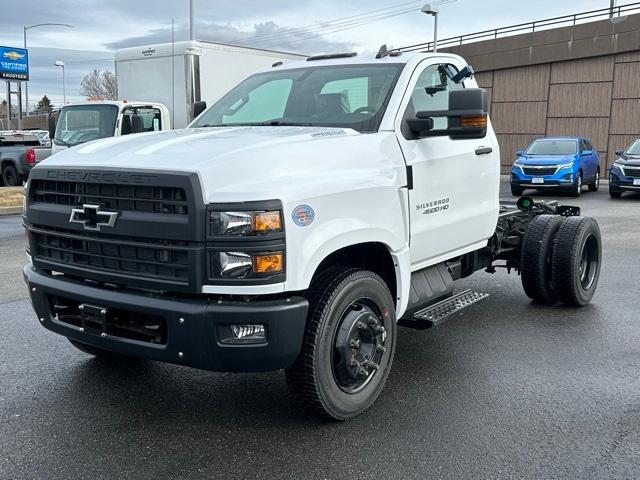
x,y
513,220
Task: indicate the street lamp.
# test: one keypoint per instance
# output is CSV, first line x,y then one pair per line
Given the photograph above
x,y
24,32
433,10
64,90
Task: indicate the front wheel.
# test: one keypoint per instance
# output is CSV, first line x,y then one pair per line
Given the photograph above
x,y
516,191
595,186
576,190
348,346
613,193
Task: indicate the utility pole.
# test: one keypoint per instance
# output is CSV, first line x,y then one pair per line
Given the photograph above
x,y
192,29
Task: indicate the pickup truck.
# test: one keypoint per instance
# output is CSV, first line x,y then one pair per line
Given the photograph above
x,y
19,153
295,224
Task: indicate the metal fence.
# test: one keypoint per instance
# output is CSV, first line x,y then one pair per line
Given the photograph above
x,y
615,14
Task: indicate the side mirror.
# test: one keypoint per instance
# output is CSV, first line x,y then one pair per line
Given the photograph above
x,y
619,153
198,108
466,118
586,152
52,126
519,153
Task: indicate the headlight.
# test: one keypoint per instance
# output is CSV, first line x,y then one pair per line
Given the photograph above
x,y
245,265
240,223
619,162
564,166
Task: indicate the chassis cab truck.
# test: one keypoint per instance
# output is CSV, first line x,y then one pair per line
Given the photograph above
x,y
83,122
295,224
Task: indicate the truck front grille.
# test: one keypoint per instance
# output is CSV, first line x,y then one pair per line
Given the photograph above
x,y
140,198
538,172
146,258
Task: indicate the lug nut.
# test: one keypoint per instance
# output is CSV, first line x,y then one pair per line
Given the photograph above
x,y
361,326
354,343
380,329
381,348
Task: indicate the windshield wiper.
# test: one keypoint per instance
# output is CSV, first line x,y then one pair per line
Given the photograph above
x,y
66,144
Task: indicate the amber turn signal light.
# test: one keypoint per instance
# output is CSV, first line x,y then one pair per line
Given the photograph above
x,y
270,263
267,222
474,122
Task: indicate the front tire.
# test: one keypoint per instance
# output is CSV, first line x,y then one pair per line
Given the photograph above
x,y
595,186
348,346
577,254
576,189
516,191
613,193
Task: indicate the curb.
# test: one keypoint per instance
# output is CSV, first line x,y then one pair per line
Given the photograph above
x,y
10,211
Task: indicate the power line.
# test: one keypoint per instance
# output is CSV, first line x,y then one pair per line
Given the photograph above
x,y
354,21
325,24
353,25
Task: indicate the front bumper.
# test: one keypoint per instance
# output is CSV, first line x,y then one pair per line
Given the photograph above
x,y
619,181
562,178
192,326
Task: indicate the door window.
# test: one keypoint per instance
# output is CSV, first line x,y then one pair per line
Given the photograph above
x,y
431,92
139,120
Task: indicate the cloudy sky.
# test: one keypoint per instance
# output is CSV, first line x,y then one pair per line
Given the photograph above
x,y
305,26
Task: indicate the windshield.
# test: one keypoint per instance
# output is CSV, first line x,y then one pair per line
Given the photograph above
x,y
83,123
353,96
634,149
553,147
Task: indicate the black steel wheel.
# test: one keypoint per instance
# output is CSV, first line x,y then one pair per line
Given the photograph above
x,y
348,346
595,186
535,259
10,176
577,256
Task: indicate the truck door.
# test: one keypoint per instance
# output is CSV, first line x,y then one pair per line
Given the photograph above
x,y
454,200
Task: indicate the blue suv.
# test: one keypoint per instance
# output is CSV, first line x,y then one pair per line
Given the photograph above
x,y
562,163
624,174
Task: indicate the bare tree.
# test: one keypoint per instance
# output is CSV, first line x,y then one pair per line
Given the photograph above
x,y
99,85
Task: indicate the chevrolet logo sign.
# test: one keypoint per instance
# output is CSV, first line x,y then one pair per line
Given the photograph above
x,y
13,55
92,218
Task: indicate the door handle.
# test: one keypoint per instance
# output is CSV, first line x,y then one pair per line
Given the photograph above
x,y
483,150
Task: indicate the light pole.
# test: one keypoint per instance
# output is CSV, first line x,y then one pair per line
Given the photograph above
x,y
192,27
24,32
64,89
433,10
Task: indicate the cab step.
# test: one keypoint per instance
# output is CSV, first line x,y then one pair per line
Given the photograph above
x,y
437,313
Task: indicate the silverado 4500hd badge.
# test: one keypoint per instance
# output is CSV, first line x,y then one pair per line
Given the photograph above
x,y
433,206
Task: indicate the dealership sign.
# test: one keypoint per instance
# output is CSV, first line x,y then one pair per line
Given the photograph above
x,y
14,63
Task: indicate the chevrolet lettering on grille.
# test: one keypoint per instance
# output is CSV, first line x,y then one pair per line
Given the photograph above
x,y
92,218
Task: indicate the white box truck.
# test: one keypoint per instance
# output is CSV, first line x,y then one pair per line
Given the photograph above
x,y
180,74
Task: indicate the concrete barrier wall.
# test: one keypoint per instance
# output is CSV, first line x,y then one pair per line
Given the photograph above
x,y
581,80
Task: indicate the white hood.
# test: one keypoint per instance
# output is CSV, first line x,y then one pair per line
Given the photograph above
x,y
241,163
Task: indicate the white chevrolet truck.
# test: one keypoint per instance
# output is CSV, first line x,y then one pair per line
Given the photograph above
x,y
295,224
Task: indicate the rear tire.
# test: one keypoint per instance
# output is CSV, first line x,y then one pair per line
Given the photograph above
x,y
348,345
535,260
10,176
577,254
595,186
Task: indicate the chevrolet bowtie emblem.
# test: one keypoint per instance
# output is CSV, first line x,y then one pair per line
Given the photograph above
x,y
92,218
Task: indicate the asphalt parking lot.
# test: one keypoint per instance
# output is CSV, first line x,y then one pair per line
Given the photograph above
x,y
507,389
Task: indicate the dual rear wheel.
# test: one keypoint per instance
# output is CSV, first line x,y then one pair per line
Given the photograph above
x,y
561,259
